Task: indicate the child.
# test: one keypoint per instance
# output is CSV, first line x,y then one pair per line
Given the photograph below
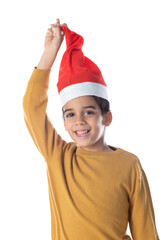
x,y
94,189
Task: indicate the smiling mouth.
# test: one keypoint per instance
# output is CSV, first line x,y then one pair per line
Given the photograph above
x,y
82,133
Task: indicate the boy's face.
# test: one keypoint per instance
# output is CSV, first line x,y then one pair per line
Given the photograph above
x,y
85,124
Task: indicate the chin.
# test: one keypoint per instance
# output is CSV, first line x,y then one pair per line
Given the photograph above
x,y
82,144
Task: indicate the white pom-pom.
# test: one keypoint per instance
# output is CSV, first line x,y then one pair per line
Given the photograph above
x,y
54,30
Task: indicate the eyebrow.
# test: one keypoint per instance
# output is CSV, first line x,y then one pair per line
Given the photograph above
x,y
89,107
71,109
67,110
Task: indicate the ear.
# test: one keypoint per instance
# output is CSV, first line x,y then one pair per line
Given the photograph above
x,y
108,119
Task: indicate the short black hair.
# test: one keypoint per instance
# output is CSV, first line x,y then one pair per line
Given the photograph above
x,y
103,104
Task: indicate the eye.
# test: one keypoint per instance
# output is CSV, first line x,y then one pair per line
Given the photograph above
x,y
88,113
69,115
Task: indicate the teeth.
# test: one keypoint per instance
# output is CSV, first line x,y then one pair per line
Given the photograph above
x,y
81,133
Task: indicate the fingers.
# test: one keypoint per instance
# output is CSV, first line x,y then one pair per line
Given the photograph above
x,y
56,28
58,23
49,31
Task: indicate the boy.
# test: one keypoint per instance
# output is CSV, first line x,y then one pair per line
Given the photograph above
x,y
94,189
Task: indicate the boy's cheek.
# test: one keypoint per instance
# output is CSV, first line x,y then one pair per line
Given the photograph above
x,y
65,125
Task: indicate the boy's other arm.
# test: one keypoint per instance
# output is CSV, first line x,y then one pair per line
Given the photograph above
x,y
35,98
142,217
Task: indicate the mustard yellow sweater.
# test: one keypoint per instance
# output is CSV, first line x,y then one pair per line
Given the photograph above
x,y
93,195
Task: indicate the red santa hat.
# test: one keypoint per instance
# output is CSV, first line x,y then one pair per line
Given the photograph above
x,y
78,75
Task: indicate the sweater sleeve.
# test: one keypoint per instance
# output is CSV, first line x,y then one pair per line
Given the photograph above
x,y
142,219
34,104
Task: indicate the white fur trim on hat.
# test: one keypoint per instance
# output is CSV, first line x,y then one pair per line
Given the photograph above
x,y
83,89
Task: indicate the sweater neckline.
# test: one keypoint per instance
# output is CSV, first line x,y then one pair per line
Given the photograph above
x,y
82,151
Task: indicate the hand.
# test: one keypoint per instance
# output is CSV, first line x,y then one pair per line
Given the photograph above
x,y
52,44
52,40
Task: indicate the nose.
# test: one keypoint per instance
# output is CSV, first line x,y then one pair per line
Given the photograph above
x,y
80,120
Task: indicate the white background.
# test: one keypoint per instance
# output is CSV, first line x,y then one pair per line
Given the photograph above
x,y
127,40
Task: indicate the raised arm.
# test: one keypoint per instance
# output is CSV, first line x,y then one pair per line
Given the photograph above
x,y
35,98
